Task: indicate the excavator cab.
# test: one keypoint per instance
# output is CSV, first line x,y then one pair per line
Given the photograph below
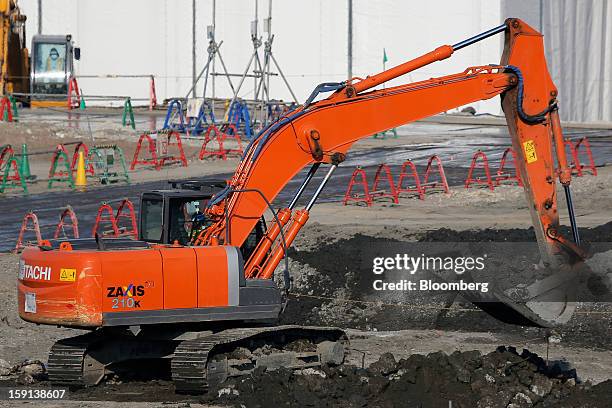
x,y
176,215
52,67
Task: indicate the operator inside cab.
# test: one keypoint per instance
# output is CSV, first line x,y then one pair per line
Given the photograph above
x,y
184,215
186,220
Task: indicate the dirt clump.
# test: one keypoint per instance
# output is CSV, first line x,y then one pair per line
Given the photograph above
x,y
24,373
503,378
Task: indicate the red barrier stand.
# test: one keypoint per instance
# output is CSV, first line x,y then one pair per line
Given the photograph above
x,y
376,191
13,166
74,95
483,166
89,169
231,130
110,217
432,185
132,228
61,225
6,153
152,149
409,170
165,143
504,174
158,145
30,216
364,197
578,167
5,109
218,137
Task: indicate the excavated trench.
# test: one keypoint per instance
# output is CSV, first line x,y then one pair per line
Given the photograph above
x,y
333,285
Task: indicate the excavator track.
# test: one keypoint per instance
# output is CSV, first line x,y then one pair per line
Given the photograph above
x,y
66,360
194,368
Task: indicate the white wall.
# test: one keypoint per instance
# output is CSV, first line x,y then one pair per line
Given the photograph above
x,y
578,44
154,37
407,29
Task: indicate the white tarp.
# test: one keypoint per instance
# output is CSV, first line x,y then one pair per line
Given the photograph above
x,y
154,37
578,38
578,44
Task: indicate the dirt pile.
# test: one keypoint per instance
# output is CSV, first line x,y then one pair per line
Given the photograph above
x,y
502,378
333,286
602,233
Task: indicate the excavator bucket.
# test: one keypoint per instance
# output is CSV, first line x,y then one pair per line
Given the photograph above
x,y
545,303
530,109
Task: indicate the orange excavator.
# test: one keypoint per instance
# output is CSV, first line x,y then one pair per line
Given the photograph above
x,y
208,302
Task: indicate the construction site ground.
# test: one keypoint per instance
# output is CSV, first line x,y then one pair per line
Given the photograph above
x,y
327,290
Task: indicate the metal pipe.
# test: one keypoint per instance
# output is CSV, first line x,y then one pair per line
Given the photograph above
x,y
321,186
193,45
40,17
350,39
201,73
479,37
214,68
225,71
572,215
280,71
302,187
244,74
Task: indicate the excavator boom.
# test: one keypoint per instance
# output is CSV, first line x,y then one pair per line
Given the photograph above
x,y
323,132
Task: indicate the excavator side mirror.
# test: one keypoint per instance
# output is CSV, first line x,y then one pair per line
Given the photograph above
x,y
77,53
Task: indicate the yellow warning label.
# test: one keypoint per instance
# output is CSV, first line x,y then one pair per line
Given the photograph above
x,y
67,275
530,151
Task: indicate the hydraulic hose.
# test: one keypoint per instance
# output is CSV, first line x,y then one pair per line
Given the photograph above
x,y
524,116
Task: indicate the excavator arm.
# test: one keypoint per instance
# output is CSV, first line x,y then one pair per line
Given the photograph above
x,y
324,131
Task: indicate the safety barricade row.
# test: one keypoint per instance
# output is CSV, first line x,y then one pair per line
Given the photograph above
x,y
408,183
480,174
196,119
67,223
108,223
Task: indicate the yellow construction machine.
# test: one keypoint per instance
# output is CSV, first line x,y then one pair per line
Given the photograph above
x,y
43,79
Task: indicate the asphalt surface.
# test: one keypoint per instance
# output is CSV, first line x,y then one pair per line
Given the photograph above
x,y
456,152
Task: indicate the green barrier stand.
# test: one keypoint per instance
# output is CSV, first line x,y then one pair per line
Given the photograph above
x,y
14,181
109,164
61,176
127,109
